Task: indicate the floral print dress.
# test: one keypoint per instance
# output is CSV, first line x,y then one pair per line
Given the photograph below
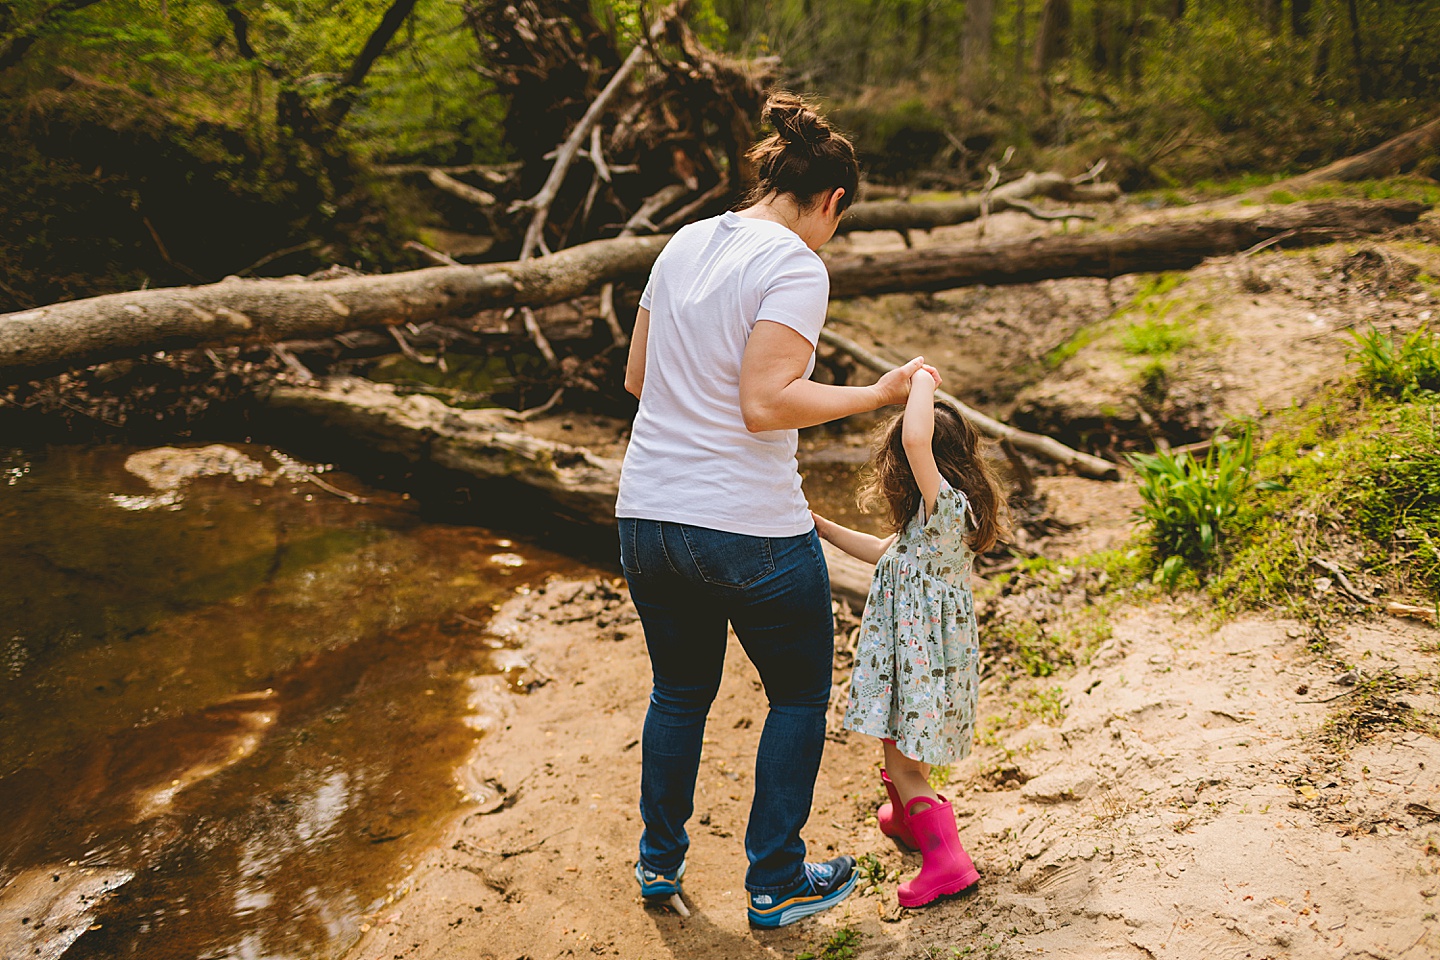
x,y
917,663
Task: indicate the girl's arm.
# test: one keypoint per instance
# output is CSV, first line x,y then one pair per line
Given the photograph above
x,y
917,432
776,395
635,362
861,546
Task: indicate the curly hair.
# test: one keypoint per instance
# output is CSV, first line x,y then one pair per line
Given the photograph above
x,y
889,483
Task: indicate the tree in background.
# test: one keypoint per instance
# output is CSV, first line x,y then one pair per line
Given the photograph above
x,y
1167,89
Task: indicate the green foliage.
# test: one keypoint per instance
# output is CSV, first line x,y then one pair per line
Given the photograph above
x,y
1190,505
1046,704
1081,339
1398,495
1406,370
1372,478
840,946
1155,336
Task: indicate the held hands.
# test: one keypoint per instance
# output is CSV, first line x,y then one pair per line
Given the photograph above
x,y
824,527
894,386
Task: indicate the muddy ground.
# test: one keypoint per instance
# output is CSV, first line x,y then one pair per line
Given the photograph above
x,y
1197,787
1177,796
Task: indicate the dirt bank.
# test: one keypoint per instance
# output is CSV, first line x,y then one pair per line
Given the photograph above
x,y
1196,789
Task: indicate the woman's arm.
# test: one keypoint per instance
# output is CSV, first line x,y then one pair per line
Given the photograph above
x,y
917,434
776,395
861,546
635,362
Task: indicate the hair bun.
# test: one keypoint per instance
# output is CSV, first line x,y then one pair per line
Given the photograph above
x,y
794,120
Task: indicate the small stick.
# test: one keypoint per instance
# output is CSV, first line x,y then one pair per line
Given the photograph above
x,y
678,905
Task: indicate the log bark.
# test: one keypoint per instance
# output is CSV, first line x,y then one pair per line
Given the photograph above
x,y
903,215
35,343
1171,245
1388,159
487,445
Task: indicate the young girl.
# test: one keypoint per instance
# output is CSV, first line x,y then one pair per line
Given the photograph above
x,y
917,663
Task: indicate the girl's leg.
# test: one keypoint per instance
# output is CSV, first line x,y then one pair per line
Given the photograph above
x,y
911,777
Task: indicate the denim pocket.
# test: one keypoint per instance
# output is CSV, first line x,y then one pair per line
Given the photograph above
x,y
629,539
729,559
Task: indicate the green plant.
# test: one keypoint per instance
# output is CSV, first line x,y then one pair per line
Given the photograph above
x,y
870,869
1399,495
840,946
939,776
1406,370
1189,504
1155,336
1048,704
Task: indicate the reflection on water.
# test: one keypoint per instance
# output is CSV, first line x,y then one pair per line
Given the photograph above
x,y
249,696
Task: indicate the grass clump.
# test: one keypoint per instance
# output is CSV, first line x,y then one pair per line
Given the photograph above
x,y
1155,337
840,946
1367,488
1419,189
1192,505
1408,369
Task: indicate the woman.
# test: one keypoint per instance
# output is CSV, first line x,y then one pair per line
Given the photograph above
x,y
714,528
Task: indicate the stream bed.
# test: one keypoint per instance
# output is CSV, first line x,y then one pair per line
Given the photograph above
x,y
233,700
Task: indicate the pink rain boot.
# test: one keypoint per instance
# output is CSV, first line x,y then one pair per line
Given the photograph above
x,y
893,822
947,867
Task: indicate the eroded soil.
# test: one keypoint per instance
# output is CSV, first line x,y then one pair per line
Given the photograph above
x,y
1194,787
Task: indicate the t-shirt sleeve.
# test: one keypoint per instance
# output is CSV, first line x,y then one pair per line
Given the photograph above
x,y
797,293
648,294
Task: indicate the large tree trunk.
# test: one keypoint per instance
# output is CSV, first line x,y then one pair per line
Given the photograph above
x,y
1052,41
1173,245
37,342
34,343
903,215
484,444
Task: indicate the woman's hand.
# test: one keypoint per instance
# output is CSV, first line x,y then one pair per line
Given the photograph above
x,y
894,386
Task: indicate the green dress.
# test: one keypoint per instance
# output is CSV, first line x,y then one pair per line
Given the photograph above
x,y
917,663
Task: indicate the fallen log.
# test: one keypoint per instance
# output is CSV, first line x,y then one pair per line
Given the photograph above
x,y
1172,245
1388,159
487,445
35,343
903,215
1047,448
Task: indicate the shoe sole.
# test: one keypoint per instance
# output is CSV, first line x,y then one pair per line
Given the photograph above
x,y
959,886
808,906
663,888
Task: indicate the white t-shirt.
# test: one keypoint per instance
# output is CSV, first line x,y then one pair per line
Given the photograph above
x,y
690,458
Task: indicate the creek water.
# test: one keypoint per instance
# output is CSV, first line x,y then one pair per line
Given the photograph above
x,y
232,709
233,702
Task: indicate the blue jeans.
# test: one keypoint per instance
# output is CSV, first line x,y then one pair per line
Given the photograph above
x,y
688,583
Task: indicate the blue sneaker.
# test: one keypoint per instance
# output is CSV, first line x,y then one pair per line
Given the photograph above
x,y
823,886
654,884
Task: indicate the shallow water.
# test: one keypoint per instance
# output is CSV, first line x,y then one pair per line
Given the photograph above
x,y
237,707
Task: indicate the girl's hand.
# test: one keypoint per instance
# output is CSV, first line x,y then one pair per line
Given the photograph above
x,y
823,527
926,368
894,386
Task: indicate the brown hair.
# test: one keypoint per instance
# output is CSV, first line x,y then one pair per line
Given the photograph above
x,y
889,482
804,157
